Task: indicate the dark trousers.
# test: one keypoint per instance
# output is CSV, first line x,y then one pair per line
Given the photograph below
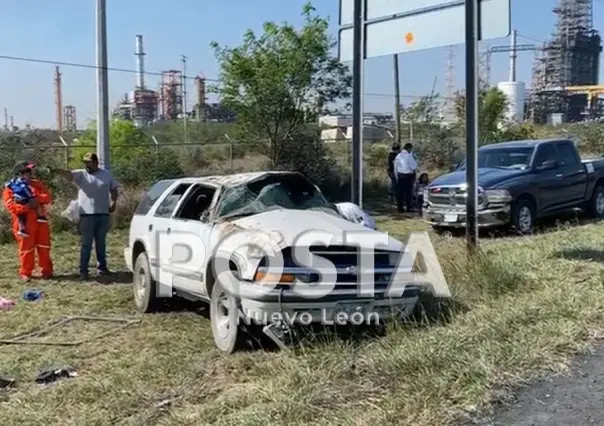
x,y
392,186
404,193
93,229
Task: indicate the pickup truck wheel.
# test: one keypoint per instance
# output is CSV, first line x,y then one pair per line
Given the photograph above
x,y
144,286
523,218
224,317
596,204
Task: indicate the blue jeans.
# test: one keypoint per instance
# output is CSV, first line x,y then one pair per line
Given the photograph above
x,y
93,228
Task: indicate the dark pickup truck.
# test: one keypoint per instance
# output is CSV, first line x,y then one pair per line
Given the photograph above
x,y
519,182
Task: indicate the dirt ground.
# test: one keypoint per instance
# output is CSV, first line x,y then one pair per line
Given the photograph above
x,y
575,399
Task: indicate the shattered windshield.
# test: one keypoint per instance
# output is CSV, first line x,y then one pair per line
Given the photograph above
x,y
271,193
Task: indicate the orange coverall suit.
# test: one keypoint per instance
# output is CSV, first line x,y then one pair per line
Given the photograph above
x,y
39,233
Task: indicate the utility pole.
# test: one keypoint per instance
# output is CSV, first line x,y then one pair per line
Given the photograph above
x,y
102,125
183,60
513,55
397,101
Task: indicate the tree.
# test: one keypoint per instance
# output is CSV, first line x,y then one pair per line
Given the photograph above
x,y
126,141
424,110
492,104
272,80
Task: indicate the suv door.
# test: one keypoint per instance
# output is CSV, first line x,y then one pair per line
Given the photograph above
x,y
548,181
574,179
141,226
191,228
160,226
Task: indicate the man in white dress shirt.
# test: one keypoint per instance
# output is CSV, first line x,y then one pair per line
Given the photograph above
x,y
405,167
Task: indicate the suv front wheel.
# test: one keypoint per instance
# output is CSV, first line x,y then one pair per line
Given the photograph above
x,y
224,318
144,286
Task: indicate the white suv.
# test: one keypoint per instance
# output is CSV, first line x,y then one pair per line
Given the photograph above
x,y
198,220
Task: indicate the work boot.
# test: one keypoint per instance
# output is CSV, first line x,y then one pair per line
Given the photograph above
x,y
83,277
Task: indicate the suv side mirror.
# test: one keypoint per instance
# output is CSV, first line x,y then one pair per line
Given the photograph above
x,y
548,165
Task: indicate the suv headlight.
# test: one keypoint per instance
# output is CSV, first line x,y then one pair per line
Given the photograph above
x,y
498,196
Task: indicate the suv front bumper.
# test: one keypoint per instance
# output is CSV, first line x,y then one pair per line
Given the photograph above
x,y
337,308
489,217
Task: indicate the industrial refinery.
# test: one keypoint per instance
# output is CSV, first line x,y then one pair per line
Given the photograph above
x,y
565,74
146,106
564,83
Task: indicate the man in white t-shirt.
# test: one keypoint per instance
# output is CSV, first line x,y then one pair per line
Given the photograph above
x,y
97,196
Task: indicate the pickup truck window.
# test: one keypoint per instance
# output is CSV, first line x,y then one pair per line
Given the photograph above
x,y
545,152
567,154
169,203
151,196
503,158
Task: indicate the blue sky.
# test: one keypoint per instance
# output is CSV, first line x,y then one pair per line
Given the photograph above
x,y
64,30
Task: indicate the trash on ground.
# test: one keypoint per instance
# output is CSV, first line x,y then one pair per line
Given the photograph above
x,y
33,295
6,382
6,304
54,374
29,337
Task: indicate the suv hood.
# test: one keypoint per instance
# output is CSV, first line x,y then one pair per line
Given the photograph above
x,y
287,226
487,177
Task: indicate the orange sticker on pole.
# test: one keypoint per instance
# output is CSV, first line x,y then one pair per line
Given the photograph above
x,y
409,38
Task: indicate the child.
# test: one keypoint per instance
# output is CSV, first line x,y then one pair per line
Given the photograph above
x,y
420,186
23,195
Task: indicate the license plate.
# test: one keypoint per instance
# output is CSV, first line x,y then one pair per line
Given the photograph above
x,y
450,217
350,308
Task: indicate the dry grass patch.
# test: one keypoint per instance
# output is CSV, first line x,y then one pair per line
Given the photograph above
x,y
520,310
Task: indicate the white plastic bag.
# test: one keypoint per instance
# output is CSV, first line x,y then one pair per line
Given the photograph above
x,y
72,212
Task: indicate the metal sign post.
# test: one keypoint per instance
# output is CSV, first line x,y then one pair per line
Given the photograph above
x,y
387,27
472,26
357,102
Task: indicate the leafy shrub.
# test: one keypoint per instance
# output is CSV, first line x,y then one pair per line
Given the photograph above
x,y
306,153
378,155
147,167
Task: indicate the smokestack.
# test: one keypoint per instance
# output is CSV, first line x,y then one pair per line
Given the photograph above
x,y
59,99
140,63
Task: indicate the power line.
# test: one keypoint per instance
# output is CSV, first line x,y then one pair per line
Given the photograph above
x,y
532,37
159,74
80,65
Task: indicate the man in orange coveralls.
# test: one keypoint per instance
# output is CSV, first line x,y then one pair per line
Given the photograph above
x,y
37,233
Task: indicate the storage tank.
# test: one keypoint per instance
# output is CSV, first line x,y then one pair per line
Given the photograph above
x,y
515,92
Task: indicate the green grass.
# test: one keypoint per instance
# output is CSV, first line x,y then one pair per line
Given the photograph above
x,y
521,310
